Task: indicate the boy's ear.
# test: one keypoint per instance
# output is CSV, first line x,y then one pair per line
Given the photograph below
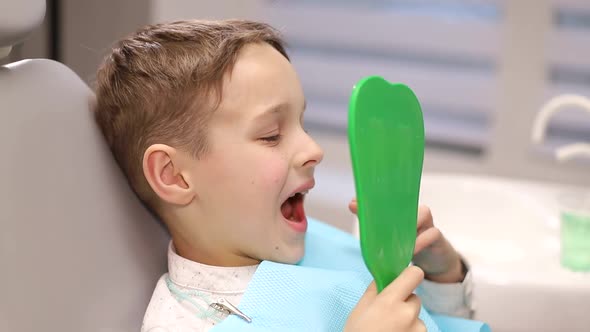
x,y
161,168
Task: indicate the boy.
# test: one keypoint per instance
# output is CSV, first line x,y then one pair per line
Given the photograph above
x,y
205,120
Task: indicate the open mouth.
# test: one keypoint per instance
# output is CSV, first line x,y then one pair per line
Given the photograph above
x,y
293,211
292,208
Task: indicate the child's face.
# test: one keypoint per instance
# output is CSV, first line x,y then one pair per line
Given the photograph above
x,y
259,157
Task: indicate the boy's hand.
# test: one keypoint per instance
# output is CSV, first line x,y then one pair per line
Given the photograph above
x,y
395,309
433,253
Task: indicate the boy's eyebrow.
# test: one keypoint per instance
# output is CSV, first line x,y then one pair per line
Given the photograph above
x,y
274,110
278,108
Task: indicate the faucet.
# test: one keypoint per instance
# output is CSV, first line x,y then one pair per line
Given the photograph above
x,y
569,151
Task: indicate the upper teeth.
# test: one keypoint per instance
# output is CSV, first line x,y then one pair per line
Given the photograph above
x,y
301,192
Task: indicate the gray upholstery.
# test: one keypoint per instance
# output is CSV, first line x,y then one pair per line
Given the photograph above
x,y
78,252
18,18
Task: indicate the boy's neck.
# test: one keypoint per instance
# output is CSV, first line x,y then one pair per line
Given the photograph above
x,y
210,257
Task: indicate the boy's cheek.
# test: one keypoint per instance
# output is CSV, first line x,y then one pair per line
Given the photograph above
x,y
278,169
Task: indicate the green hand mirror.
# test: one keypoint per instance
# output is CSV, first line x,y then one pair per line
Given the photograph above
x,y
386,139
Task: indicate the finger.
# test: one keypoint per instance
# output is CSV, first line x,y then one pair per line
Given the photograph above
x,y
403,286
415,304
353,206
369,295
427,238
425,219
419,326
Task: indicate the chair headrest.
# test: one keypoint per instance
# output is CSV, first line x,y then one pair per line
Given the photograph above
x,y
18,18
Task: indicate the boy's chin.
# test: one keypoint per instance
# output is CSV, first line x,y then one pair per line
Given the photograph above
x,y
289,255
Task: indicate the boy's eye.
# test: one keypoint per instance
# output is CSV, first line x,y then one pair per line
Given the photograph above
x,y
272,139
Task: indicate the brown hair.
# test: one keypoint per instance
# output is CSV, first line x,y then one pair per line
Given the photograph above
x,y
162,83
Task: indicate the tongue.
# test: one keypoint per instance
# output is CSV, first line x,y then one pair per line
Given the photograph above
x,y
290,209
287,209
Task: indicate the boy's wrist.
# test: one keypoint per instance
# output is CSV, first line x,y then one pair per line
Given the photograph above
x,y
456,273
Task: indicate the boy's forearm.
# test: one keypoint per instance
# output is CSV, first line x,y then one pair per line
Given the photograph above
x,y
448,292
456,272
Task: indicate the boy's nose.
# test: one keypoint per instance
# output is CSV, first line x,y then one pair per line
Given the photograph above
x,y
312,154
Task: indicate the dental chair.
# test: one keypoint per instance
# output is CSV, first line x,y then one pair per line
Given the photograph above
x,y
78,251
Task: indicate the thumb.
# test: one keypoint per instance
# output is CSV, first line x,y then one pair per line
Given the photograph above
x,y
362,306
369,296
352,206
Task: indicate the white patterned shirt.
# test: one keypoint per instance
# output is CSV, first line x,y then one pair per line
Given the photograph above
x,y
182,298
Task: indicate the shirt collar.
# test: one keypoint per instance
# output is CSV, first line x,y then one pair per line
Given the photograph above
x,y
190,274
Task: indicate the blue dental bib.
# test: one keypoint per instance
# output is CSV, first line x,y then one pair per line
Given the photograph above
x,y
319,293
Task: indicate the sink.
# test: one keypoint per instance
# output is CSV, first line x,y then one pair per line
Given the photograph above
x,y
508,231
